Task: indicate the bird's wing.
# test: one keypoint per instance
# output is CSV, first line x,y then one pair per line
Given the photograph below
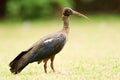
x,y
43,48
52,35
23,53
46,48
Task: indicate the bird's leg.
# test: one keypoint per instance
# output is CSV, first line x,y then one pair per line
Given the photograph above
x,y
51,65
45,65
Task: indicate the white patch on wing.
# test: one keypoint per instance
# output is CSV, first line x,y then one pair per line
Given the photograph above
x,y
48,40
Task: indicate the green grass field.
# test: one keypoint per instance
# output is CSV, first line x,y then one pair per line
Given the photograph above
x,y
91,53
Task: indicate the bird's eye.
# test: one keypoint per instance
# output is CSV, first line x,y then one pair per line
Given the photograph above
x,y
69,11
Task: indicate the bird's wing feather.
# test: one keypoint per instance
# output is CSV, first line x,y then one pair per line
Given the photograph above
x,y
19,56
23,53
44,38
47,48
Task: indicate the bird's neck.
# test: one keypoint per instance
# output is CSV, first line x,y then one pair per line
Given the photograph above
x,y
66,24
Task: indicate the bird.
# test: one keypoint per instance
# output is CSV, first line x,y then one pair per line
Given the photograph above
x,y
46,48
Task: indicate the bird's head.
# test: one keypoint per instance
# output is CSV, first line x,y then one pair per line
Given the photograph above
x,y
68,11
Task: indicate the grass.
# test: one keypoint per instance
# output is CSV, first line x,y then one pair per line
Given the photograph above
x,y
91,53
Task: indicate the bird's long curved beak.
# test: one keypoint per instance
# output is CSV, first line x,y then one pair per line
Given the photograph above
x,y
79,14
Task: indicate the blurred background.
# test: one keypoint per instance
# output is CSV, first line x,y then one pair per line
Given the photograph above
x,y
32,9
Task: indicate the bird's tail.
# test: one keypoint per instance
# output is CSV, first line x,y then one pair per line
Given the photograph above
x,y
18,65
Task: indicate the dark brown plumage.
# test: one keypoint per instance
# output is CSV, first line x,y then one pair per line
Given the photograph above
x,y
46,48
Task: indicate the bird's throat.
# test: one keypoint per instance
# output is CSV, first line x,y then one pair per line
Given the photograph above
x,y
66,24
